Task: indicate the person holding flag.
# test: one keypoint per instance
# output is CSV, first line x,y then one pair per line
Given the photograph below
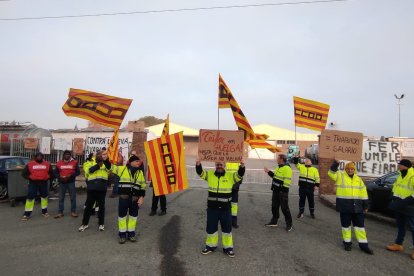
x,y
131,192
161,198
220,183
96,171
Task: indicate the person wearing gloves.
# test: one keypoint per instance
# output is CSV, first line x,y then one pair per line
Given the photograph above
x,y
220,183
97,184
403,204
131,193
308,179
351,203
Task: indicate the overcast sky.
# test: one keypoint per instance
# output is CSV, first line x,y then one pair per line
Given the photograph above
x,y
353,55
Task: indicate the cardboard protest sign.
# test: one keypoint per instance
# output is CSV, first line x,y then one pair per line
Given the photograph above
x,y
341,145
220,145
31,143
78,148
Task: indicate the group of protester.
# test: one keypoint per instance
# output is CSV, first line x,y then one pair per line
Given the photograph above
x,y
222,200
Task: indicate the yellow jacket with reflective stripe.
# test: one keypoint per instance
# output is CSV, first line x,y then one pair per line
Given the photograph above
x,y
282,176
129,183
97,180
351,193
219,188
404,187
308,176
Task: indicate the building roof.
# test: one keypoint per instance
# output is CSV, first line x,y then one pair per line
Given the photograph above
x,y
157,129
277,133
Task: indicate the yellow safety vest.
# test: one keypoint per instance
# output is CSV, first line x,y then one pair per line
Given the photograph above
x,y
404,187
308,176
282,177
219,188
128,183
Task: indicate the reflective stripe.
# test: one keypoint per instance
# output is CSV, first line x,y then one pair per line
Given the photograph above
x,y
122,224
234,209
353,197
346,234
360,234
212,239
402,186
29,205
219,199
227,240
132,222
220,190
350,187
43,202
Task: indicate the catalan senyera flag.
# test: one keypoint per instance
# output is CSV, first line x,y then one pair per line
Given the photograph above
x,y
113,148
96,107
254,140
166,129
310,114
166,163
224,90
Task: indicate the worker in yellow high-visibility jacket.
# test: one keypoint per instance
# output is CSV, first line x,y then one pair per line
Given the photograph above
x,y
234,167
351,202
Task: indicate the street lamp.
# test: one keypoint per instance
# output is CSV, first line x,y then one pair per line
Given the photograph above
x,y
399,112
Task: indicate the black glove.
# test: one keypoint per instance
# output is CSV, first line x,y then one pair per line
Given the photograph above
x,y
295,160
334,166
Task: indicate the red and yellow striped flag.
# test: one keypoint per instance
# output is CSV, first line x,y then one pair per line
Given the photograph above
x,y
96,107
262,144
166,129
224,90
166,162
258,140
310,114
113,148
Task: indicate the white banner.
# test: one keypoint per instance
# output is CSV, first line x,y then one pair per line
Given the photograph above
x,y
62,144
408,149
45,145
96,143
378,158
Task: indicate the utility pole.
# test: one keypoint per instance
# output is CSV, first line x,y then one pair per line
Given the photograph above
x,y
399,112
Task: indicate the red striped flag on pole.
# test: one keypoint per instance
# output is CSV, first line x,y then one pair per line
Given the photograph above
x,y
96,107
166,129
310,114
166,163
113,148
258,140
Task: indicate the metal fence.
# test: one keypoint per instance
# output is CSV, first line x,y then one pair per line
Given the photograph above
x,y
253,176
17,149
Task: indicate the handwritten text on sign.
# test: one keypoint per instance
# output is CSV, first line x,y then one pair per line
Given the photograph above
x,y
378,158
341,145
220,145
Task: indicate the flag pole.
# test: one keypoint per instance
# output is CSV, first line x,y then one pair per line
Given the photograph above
x,y
295,135
259,157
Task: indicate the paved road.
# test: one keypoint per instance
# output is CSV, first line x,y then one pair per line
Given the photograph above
x,y
171,245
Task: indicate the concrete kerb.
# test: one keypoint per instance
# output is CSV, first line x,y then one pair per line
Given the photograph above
x,y
330,201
